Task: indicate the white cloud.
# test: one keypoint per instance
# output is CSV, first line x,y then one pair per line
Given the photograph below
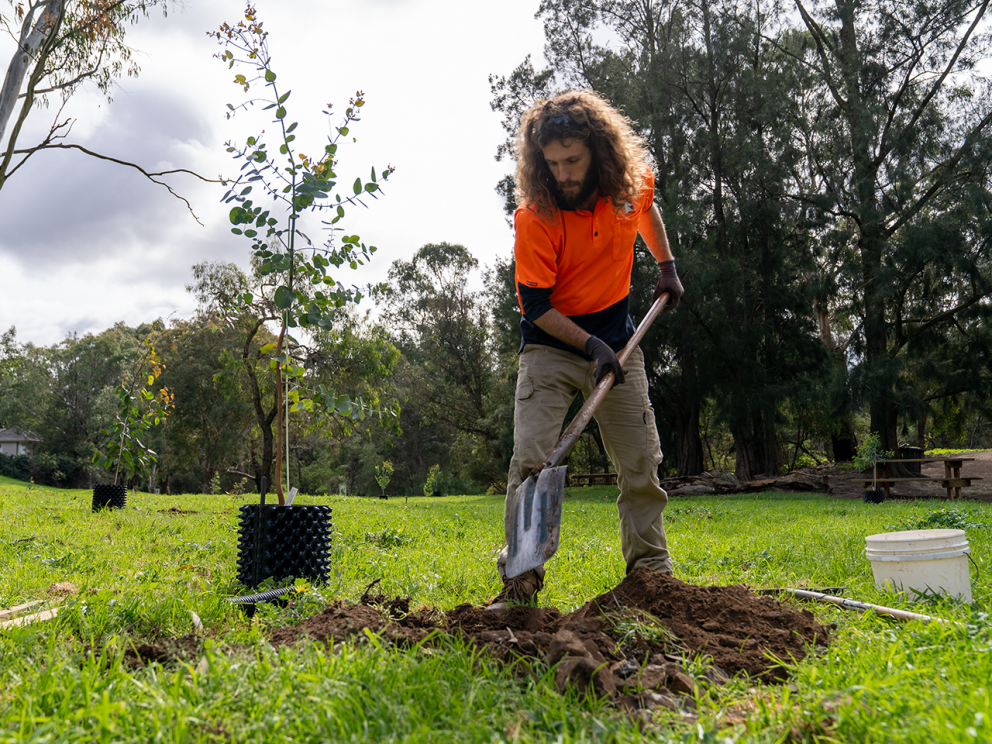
x,y
85,243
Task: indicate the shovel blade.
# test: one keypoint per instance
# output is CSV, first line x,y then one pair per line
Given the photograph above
x,y
537,521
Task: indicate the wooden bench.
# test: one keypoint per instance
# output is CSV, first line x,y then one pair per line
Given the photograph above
x,y
592,479
952,480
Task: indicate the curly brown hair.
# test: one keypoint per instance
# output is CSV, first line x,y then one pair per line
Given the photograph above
x,y
619,155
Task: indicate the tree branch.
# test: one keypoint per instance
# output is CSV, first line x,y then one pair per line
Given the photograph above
x,y
939,83
941,183
822,47
150,176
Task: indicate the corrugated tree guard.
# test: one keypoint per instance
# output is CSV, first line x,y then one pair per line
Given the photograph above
x,y
109,496
283,542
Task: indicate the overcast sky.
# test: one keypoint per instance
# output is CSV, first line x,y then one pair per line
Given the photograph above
x,y
85,244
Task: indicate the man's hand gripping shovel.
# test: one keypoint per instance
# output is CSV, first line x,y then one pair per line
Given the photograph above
x,y
536,503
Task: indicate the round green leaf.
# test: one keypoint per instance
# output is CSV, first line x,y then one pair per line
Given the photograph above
x,y
285,297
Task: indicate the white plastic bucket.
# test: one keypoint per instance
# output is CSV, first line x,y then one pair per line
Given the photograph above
x,y
921,560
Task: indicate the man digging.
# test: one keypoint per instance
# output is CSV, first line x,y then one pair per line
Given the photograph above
x,y
585,190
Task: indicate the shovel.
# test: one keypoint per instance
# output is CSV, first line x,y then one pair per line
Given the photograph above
x,y
536,504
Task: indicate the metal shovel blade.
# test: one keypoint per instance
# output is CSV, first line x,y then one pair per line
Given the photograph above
x,y
537,523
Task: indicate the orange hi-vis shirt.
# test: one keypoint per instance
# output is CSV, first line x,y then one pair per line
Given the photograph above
x,y
580,266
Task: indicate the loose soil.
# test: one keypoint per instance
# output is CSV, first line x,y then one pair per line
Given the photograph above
x,y
624,645
628,645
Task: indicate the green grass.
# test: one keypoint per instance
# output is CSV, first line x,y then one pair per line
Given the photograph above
x,y
143,573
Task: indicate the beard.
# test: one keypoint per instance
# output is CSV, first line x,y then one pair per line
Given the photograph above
x,y
576,199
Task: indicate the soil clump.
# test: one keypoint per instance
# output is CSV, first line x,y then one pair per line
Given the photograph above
x,y
625,645
166,652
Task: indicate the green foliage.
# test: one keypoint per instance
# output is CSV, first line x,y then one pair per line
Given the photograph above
x,y
43,468
948,519
296,183
435,479
139,408
869,451
383,473
454,375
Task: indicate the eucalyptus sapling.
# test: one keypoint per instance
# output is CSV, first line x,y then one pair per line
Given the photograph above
x,y
294,185
139,409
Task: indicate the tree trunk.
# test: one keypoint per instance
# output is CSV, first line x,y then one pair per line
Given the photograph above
x,y
748,463
843,442
263,419
40,24
690,444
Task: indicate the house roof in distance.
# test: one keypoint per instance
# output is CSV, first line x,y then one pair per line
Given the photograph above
x,y
16,435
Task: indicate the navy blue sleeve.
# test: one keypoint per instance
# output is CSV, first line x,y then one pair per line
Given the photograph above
x,y
535,301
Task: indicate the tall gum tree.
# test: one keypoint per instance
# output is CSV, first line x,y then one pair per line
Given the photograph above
x,y
900,136
61,45
701,85
446,332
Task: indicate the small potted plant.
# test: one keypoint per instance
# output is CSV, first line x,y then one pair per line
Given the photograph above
x,y
434,480
383,474
868,454
123,451
279,189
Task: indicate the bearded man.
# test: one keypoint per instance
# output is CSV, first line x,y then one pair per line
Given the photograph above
x,y
585,190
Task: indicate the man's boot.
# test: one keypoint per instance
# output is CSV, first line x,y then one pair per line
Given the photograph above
x,y
520,589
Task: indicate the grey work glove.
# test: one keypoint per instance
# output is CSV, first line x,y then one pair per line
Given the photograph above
x,y
605,359
668,282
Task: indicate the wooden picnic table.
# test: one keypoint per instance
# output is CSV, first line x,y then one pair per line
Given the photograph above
x,y
592,479
952,479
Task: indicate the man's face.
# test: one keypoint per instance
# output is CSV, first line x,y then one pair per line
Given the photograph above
x,y
570,162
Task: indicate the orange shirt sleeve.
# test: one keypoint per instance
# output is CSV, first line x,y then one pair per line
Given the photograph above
x,y
536,250
646,198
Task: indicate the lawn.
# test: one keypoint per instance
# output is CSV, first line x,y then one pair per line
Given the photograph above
x,y
147,574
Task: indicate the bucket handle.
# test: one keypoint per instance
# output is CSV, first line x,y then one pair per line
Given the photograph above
x,y
977,572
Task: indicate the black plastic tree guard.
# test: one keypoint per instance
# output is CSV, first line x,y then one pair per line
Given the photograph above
x,y
109,497
283,542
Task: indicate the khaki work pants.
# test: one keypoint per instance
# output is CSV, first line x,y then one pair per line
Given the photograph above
x,y
548,381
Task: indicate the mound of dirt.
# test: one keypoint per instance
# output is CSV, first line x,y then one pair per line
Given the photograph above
x,y
625,645
622,645
166,652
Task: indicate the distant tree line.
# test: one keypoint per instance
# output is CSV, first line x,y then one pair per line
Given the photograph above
x,y
824,174
439,364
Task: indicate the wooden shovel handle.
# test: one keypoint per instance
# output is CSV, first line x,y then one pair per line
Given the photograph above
x,y
574,430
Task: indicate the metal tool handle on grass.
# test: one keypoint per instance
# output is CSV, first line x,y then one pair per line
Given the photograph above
x,y
575,429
